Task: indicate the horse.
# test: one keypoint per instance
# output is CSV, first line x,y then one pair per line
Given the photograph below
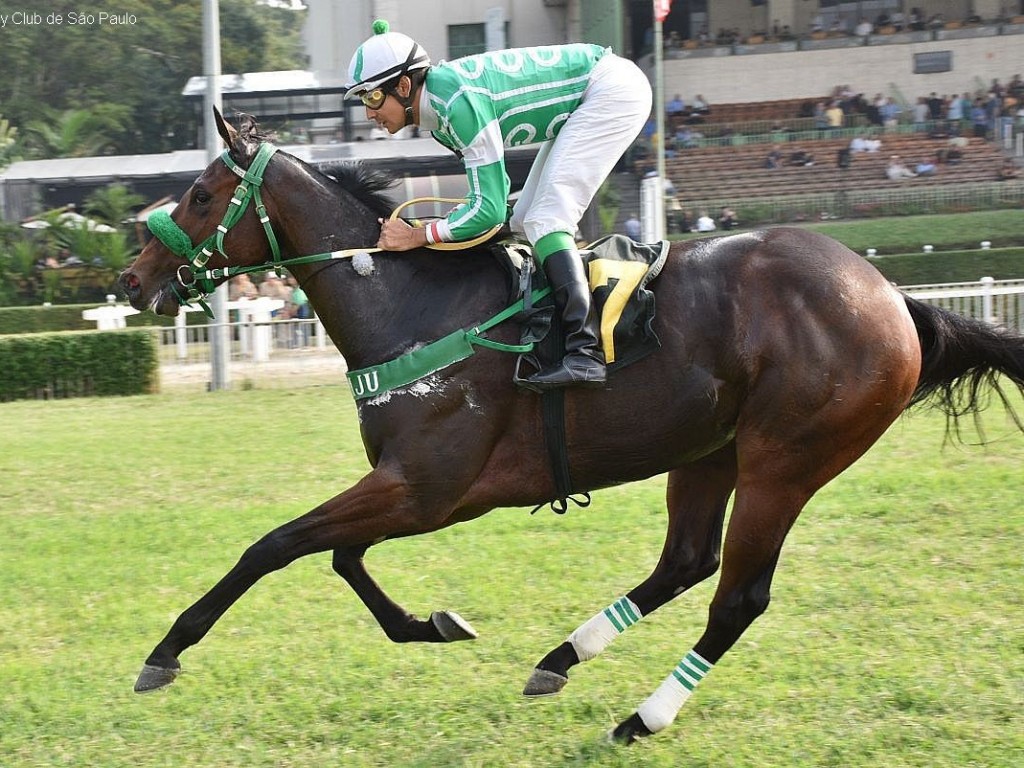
x,y
783,357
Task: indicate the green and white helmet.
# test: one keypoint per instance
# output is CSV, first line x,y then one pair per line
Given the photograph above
x,y
382,58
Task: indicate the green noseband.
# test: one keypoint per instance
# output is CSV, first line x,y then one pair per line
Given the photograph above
x,y
199,282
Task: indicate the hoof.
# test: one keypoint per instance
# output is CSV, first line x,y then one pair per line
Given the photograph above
x,y
544,683
452,626
629,730
154,678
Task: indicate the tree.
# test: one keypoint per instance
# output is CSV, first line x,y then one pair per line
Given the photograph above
x,y
77,132
113,204
134,72
8,141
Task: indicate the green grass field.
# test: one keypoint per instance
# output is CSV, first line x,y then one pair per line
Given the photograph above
x,y
895,636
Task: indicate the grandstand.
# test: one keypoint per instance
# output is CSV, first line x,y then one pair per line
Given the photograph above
x,y
725,166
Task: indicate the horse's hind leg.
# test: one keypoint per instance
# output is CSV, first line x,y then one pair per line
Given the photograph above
x,y
697,496
781,466
761,518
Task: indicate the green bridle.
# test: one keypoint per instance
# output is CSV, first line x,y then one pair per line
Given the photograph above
x,y
199,283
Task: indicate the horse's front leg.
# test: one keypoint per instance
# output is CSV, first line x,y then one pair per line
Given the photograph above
x,y
398,624
376,507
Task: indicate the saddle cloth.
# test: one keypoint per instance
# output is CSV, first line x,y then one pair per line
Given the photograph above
x,y
619,272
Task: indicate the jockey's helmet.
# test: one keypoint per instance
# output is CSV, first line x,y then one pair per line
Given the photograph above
x,y
384,57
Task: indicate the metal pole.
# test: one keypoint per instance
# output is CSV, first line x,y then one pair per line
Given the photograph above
x,y
659,122
220,341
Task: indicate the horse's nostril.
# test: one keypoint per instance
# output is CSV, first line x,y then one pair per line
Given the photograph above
x,y
130,281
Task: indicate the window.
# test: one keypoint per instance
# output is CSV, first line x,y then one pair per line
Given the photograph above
x,y
933,61
465,40
468,39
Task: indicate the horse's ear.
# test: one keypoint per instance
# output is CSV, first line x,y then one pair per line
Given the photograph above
x,y
246,140
226,131
248,128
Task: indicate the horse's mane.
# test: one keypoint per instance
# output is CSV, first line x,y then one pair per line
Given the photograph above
x,y
368,185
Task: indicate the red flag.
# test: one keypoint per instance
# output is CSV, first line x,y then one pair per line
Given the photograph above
x,y
661,9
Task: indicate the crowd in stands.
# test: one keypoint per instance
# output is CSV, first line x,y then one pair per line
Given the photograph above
x,y
979,111
936,132
832,25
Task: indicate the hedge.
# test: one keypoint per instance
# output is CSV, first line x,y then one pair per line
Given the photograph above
x,y
68,317
58,365
951,266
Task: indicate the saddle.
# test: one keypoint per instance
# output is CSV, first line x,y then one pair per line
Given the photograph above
x,y
619,271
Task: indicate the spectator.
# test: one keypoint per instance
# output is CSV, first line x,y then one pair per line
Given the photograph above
x,y
955,110
700,106
896,170
273,287
925,167
873,110
1016,86
865,144
727,220
979,118
864,28
632,227
686,137
890,112
820,119
705,223
922,114
955,149
299,309
679,220
676,107
774,158
834,115
241,287
1008,170
800,157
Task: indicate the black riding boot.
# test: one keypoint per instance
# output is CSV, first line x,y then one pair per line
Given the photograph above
x,y
583,363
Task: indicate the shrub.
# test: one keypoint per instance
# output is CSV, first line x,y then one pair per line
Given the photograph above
x,y
58,365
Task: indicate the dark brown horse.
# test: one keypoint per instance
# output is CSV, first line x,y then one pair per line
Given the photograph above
x,y
784,357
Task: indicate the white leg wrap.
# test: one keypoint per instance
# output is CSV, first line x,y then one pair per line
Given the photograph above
x,y
662,706
594,636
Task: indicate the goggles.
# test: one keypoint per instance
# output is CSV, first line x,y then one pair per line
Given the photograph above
x,y
373,99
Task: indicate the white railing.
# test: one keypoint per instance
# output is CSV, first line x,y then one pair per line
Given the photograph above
x,y
1000,302
251,341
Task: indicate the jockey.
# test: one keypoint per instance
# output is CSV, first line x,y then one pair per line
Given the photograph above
x,y
584,104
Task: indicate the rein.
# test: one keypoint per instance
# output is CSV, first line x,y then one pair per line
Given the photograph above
x,y
197,281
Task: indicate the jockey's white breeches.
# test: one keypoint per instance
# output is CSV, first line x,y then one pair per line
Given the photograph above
x,y
570,170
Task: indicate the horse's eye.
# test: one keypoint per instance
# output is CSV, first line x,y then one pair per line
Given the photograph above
x,y
201,197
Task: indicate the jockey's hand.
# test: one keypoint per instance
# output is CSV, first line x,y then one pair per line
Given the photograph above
x,y
399,235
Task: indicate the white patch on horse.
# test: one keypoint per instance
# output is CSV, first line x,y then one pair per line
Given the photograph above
x,y
362,263
421,388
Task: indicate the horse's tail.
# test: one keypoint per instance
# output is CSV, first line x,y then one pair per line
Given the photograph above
x,y
962,359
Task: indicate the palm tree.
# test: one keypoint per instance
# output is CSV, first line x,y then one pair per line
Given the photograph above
x,y
8,141
77,132
113,204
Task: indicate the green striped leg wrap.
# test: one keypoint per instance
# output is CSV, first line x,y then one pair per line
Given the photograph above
x,y
593,637
662,706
